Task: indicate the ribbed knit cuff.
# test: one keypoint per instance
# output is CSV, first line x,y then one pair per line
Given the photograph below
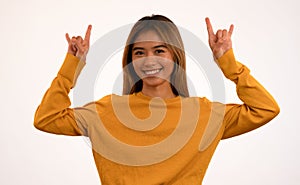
x,y
71,68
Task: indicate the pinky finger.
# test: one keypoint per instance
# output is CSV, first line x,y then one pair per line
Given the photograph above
x,y
231,30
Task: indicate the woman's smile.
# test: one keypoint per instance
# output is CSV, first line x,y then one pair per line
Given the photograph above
x,y
152,72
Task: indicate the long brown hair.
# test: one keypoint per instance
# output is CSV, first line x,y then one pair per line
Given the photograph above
x,y
170,35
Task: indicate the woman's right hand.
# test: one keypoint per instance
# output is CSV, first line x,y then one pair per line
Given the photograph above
x,y
79,47
219,42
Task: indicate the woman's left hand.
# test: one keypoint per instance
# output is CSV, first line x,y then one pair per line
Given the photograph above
x,y
219,42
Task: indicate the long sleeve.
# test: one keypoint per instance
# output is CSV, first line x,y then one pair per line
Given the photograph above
x,y
53,115
258,106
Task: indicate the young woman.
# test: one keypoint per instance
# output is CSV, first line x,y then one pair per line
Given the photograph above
x,y
155,133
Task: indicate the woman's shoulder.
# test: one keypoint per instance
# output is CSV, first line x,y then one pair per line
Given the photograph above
x,y
198,98
107,98
113,98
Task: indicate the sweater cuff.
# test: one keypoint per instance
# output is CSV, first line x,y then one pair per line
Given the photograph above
x,y
230,67
71,68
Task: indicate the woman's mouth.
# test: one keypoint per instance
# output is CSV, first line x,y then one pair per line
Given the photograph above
x,y
152,72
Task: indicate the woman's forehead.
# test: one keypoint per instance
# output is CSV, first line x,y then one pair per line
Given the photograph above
x,y
147,36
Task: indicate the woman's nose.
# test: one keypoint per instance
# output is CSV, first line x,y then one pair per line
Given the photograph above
x,y
150,60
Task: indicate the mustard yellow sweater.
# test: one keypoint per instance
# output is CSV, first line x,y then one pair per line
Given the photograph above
x,y
138,140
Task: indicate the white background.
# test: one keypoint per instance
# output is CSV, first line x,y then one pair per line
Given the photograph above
x,y
266,39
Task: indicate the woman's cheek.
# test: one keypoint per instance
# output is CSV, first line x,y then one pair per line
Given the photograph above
x,y
137,67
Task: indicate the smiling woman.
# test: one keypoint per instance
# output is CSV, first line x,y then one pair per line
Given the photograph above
x,y
162,30
155,133
153,63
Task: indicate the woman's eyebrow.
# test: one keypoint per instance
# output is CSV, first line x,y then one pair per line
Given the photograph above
x,y
137,48
160,46
154,47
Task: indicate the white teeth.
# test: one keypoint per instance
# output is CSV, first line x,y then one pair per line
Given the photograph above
x,y
152,72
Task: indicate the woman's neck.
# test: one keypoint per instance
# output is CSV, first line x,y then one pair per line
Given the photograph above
x,y
158,91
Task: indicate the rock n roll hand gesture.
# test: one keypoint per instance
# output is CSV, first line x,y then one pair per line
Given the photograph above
x,y
219,42
79,47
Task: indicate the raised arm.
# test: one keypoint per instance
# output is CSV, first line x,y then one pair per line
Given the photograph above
x,y
53,114
258,107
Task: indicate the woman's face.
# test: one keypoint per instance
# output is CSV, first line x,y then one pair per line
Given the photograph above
x,y
152,60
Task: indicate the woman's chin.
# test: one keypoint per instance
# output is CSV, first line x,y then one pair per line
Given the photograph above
x,y
154,81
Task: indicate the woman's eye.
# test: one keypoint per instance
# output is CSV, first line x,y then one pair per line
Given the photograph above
x,y
159,51
138,53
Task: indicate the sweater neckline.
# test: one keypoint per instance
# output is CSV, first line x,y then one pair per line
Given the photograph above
x,y
148,98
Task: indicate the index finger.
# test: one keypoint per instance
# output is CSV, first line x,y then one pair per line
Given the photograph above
x,y
88,34
209,27
68,37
